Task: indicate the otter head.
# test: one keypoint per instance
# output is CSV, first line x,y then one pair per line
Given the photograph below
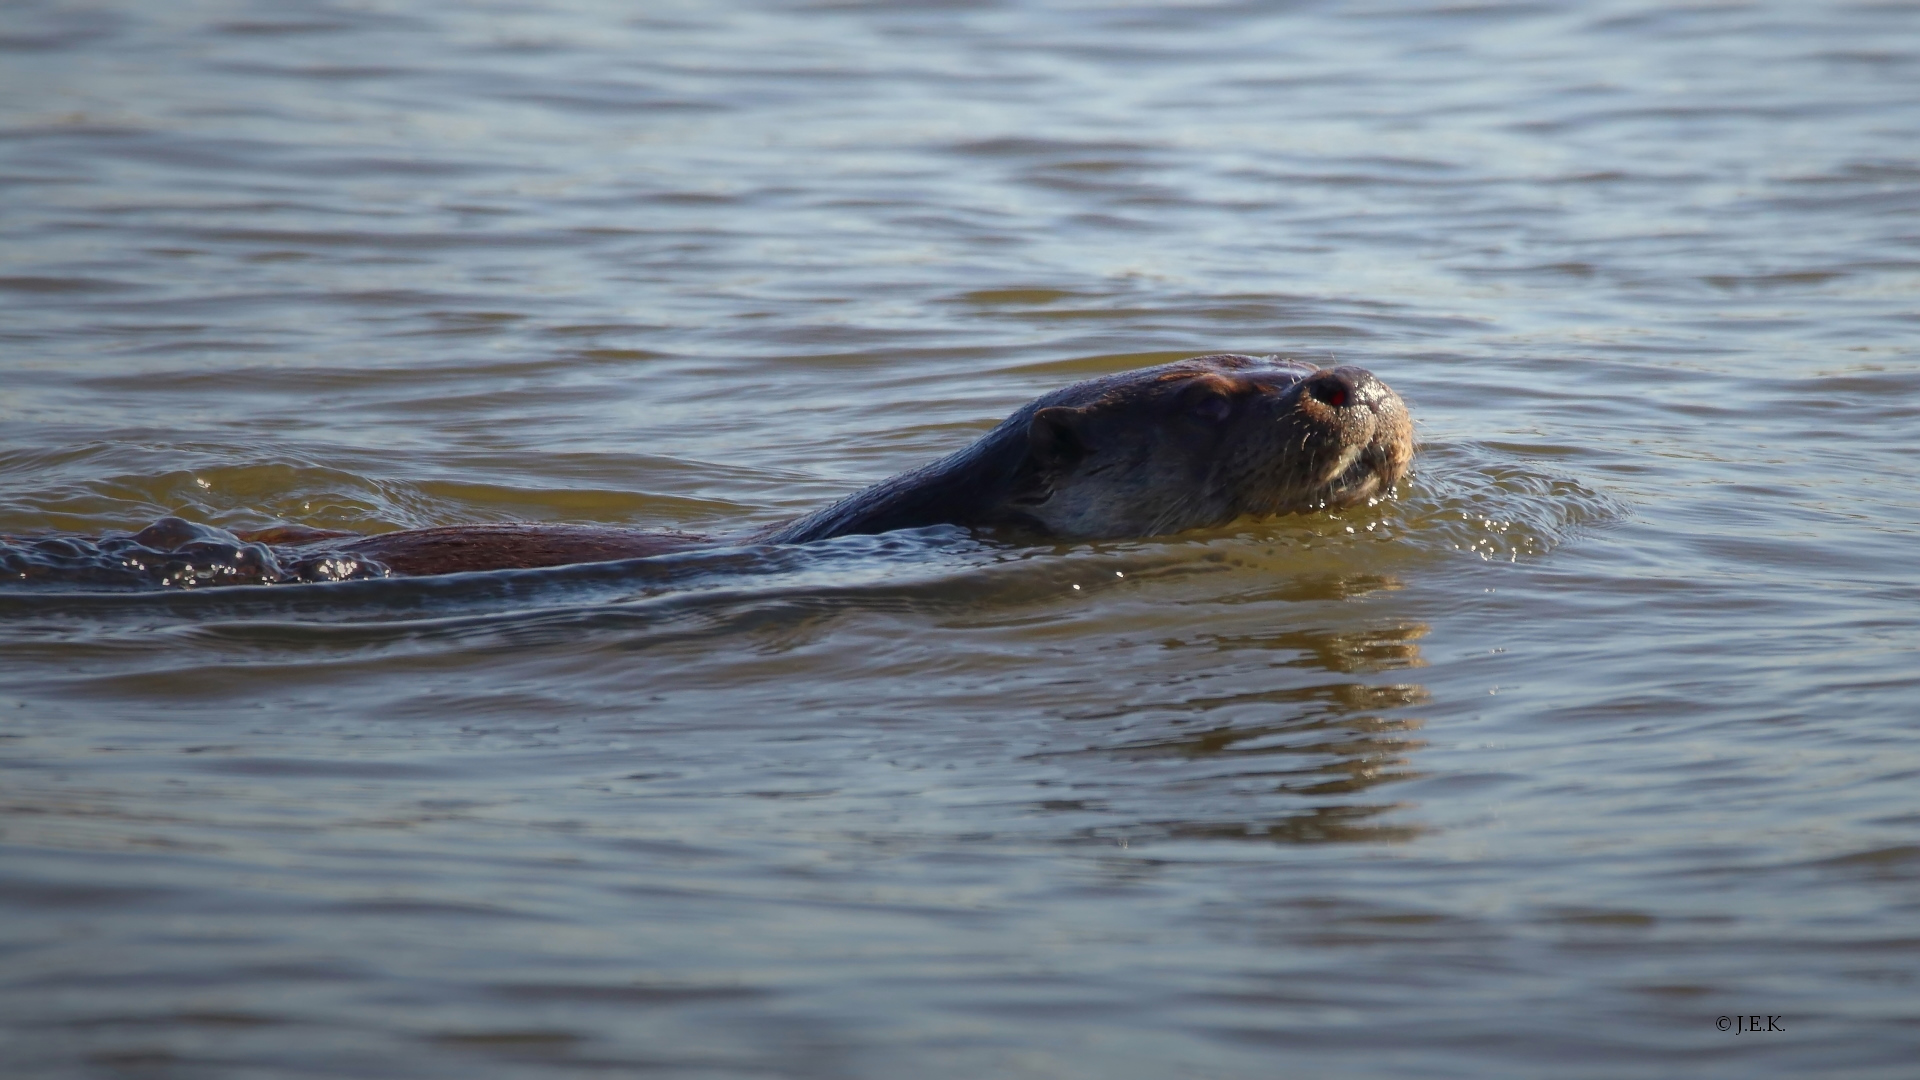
x,y
1203,441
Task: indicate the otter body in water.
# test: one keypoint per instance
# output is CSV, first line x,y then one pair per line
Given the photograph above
x,y
1185,445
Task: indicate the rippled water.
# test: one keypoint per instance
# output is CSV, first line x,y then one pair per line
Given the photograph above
x,y
1604,730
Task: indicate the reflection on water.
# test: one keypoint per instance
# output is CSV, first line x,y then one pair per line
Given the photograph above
x,y
1322,739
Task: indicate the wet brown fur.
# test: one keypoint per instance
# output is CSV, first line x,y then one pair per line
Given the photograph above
x,y
453,549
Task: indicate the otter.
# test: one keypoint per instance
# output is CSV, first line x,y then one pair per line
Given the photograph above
x,y
1191,444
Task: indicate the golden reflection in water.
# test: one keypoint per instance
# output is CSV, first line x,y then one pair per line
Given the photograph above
x,y
1320,746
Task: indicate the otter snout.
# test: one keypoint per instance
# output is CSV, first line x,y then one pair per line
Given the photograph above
x,y
1368,434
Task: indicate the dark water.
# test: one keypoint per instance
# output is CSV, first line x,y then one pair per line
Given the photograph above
x,y
1603,730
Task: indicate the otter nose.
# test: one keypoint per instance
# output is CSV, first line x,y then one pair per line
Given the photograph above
x,y
1336,388
1345,387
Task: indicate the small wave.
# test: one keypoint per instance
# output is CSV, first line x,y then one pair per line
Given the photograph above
x,y
170,553
1470,497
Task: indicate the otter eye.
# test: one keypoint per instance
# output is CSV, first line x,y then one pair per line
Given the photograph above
x,y
1212,408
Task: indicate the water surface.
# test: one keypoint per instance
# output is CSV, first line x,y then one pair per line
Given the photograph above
x,y
1601,731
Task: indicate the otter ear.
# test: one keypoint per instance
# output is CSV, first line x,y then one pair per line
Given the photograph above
x,y
1054,437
